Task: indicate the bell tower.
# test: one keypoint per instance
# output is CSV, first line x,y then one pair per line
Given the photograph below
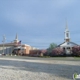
x,y
67,34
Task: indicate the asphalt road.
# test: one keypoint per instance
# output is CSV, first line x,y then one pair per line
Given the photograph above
x,y
38,68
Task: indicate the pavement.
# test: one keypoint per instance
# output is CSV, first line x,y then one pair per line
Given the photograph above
x,y
34,68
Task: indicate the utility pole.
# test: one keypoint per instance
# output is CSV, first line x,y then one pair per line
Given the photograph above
x,y
4,38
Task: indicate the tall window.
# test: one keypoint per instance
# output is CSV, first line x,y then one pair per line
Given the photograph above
x,y
67,35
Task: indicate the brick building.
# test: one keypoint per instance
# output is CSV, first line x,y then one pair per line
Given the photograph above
x,y
15,47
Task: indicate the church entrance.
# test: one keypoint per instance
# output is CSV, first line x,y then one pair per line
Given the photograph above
x,y
16,52
67,50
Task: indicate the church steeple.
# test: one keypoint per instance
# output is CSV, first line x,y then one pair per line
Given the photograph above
x,y
67,34
16,39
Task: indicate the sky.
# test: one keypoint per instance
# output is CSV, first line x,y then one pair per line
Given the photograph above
x,y
39,22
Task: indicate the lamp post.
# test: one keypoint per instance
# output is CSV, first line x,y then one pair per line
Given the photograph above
x,y
3,43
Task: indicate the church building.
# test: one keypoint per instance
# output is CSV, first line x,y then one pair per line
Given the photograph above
x,y
15,47
67,44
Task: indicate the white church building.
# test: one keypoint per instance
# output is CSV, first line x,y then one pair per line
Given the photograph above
x,y
67,44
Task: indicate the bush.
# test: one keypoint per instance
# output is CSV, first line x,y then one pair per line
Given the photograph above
x,y
57,52
76,51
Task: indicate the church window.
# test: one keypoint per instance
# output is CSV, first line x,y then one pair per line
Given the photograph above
x,y
63,48
68,47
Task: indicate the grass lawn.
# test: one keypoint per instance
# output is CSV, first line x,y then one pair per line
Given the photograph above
x,y
44,58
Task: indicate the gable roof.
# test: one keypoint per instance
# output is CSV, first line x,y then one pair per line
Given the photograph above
x,y
67,44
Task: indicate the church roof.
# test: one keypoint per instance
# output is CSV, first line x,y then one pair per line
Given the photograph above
x,y
66,44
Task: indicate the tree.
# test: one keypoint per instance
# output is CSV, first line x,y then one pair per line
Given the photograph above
x,y
51,47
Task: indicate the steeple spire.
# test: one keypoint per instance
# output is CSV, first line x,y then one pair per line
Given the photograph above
x,y
16,39
67,33
66,25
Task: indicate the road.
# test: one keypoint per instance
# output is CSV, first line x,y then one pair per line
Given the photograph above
x,y
31,68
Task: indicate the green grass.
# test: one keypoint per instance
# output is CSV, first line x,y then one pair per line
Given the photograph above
x,y
44,58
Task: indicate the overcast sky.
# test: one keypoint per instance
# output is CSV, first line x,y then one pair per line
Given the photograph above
x,y
39,22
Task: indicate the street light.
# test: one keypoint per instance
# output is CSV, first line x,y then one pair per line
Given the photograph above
x,y
4,38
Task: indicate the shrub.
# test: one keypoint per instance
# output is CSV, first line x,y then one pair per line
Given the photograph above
x,y
57,52
44,51
76,51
